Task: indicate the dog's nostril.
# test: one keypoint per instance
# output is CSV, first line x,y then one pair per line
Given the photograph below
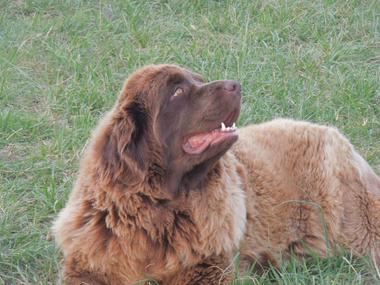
x,y
231,86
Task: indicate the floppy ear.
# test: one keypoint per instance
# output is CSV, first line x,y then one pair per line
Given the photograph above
x,y
130,133
125,151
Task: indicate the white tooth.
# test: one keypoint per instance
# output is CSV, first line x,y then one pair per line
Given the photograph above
x,y
234,126
228,129
223,127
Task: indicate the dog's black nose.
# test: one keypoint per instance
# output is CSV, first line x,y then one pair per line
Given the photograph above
x,y
232,86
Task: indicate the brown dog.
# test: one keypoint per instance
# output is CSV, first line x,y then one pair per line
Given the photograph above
x,y
163,192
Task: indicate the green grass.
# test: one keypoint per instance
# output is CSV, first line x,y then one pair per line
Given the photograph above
x,y
63,62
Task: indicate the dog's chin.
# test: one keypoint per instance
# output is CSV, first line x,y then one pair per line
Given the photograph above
x,y
200,164
217,150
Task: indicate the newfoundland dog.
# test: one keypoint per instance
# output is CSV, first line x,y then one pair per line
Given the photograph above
x,y
167,192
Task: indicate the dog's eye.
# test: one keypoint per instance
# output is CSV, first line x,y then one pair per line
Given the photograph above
x,y
178,91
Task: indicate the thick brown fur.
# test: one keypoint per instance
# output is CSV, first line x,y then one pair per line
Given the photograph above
x,y
142,211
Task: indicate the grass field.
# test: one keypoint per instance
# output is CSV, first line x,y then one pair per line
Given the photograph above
x,y
63,62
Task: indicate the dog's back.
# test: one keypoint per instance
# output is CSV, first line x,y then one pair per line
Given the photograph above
x,y
307,188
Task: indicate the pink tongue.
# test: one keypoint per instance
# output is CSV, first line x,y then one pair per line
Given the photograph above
x,y
198,143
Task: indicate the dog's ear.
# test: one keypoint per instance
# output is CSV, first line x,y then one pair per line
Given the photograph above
x,y
125,148
130,133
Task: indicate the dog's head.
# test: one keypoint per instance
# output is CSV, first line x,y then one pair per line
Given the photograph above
x,y
171,125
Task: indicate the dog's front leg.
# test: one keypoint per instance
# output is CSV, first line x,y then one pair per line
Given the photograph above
x,y
81,279
74,273
213,271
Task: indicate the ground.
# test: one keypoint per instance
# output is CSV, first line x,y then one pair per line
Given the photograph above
x,y
63,62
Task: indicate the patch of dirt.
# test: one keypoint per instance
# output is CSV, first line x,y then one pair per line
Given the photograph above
x,y
15,151
19,3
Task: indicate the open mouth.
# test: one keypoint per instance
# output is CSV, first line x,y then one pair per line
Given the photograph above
x,y
198,143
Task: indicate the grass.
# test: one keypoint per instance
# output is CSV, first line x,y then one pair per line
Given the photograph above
x,y
63,62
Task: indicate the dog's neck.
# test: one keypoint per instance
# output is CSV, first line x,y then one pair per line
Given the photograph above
x,y
178,182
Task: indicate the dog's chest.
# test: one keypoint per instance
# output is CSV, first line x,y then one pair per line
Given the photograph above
x,y
218,214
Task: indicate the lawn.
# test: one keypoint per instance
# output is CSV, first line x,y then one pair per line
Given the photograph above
x,y
63,62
